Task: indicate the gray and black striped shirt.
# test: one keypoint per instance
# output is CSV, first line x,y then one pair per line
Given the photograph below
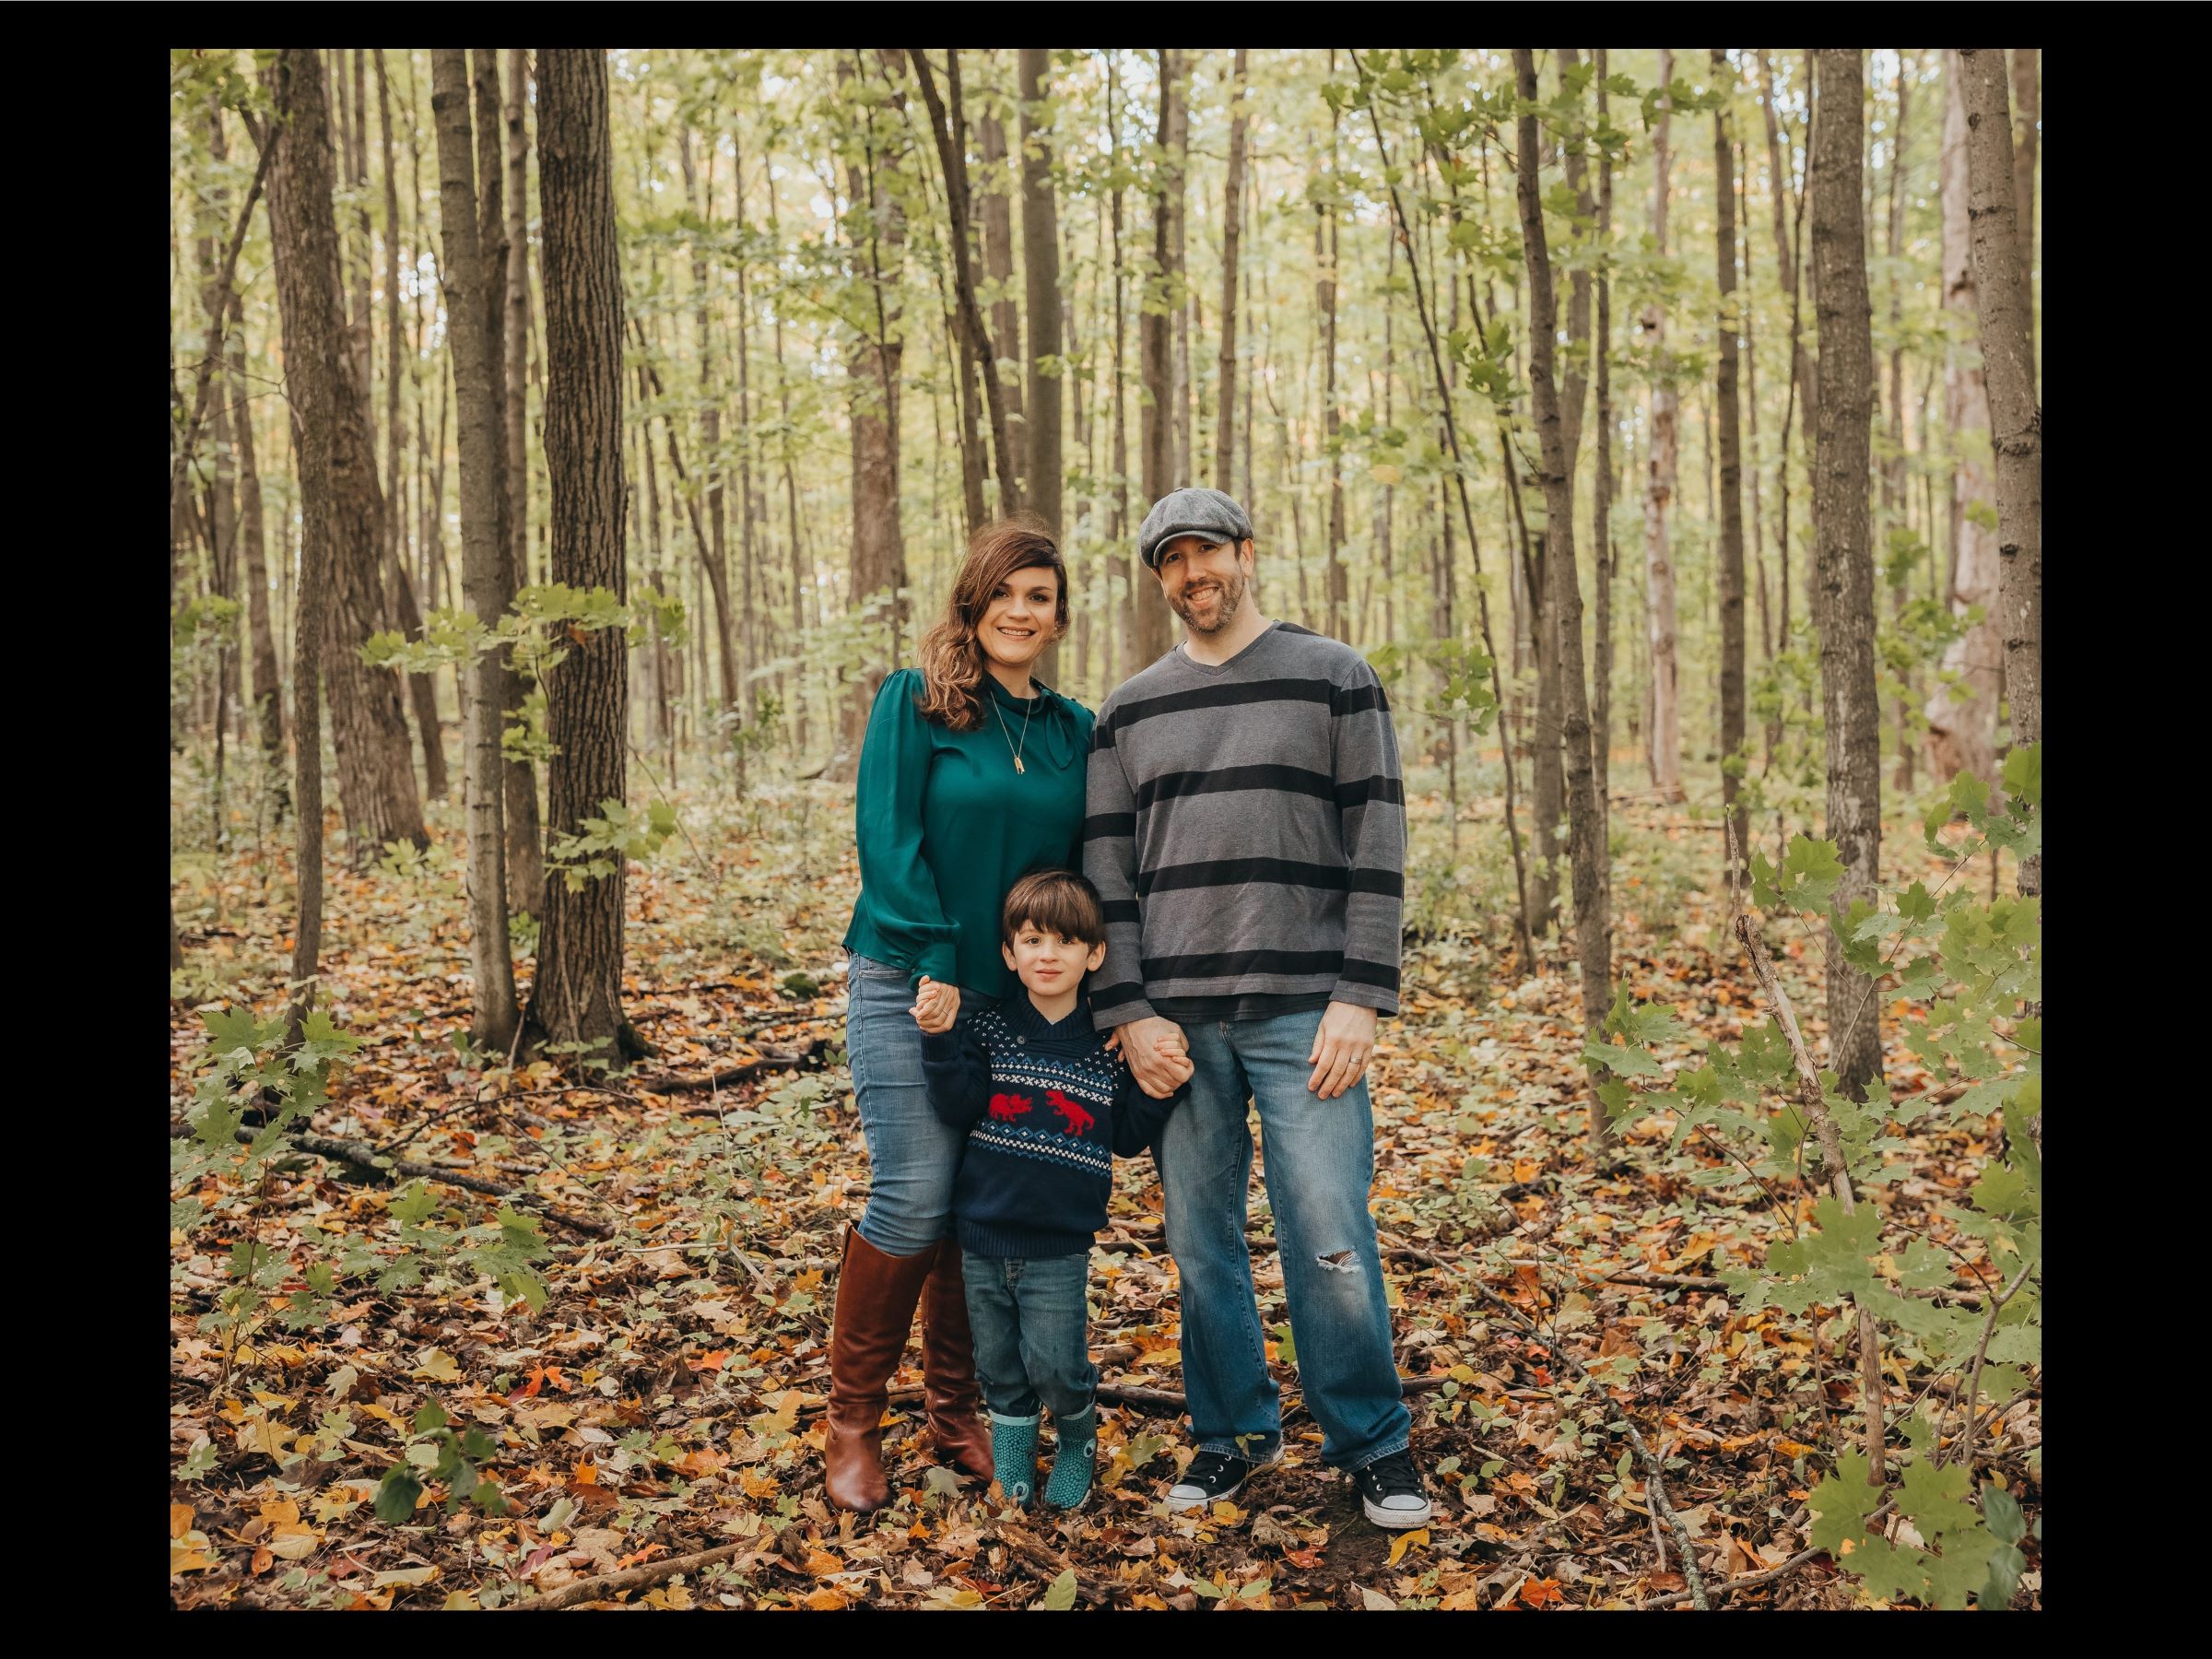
x,y
1245,826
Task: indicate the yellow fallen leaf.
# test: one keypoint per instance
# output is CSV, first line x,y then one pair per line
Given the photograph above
x,y
821,1561
438,1366
180,1519
826,1600
406,1575
1228,1513
1406,1541
275,1402
280,1512
188,1554
294,1543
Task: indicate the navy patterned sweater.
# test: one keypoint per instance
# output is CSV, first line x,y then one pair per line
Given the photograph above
x,y
1047,1109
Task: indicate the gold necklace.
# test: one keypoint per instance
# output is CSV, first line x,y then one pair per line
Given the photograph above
x,y
1026,713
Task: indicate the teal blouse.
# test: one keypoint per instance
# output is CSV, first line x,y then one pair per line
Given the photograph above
x,y
946,824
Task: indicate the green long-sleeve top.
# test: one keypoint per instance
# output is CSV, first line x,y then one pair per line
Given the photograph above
x,y
946,824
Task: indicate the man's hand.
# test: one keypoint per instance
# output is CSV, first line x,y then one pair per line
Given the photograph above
x,y
1156,1054
936,1006
1341,1048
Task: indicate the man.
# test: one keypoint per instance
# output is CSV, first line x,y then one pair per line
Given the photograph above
x,y
1246,828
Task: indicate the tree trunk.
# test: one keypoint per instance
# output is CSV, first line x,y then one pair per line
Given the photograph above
x,y
1336,590
1601,515
1041,237
1156,424
466,273
1232,200
1564,602
269,686
342,506
1837,270
1962,724
879,557
1895,504
577,994
714,550
995,210
2015,415
1175,98
1131,633
515,330
1732,504
1665,732
2026,110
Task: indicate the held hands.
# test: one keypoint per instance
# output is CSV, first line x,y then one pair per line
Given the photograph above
x,y
1341,1048
936,1006
1157,1055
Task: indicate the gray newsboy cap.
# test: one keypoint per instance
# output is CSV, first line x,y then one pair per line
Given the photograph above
x,y
1194,512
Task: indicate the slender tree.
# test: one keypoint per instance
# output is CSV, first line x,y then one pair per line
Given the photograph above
x,y
2025,121
1156,373
1666,731
1587,846
1731,471
1040,238
1232,200
2015,411
341,504
577,995
515,332
466,274
994,210
1844,593
1601,511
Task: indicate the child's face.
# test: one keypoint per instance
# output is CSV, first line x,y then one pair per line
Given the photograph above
x,y
1049,962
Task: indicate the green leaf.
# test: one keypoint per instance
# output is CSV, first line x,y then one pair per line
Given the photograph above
x,y
1060,1595
396,1495
2001,1510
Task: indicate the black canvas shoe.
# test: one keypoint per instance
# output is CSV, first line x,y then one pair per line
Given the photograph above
x,y
1390,1491
1212,1476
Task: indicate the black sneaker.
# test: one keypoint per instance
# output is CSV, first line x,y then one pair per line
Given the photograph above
x,y
1212,1476
1390,1491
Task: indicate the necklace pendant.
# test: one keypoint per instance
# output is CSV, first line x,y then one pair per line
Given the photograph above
x,y
1017,765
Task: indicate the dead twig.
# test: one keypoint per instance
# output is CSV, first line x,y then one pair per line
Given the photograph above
x,y
633,1578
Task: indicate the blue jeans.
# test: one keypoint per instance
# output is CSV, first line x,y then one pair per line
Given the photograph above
x,y
1032,1333
912,1158
1321,1161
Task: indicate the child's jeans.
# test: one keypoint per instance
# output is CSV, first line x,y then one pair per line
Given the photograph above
x,y
1031,1332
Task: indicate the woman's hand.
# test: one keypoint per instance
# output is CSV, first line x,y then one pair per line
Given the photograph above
x,y
936,1006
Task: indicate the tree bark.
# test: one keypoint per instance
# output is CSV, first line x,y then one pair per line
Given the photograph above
x,y
1895,506
1232,199
1175,94
1962,723
1129,634
993,207
878,226
1335,593
577,994
1732,474
2015,415
1154,633
1601,512
713,552
2026,103
1837,269
253,559
1564,602
341,504
466,273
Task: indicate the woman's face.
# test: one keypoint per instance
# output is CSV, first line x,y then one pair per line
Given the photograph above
x,y
1019,617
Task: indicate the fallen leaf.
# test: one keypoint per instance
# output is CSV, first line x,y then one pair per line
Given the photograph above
x,y
1406,1541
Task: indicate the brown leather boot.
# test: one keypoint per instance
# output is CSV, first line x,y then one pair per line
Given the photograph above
x,y
948,1386
876,1297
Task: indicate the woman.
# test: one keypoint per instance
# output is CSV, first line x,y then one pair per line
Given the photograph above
x,y
970,774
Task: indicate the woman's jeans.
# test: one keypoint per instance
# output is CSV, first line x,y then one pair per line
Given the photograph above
x,y
1321,1161
912,1158
1033,1332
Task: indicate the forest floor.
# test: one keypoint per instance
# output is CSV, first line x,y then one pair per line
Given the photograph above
x,y
664,1400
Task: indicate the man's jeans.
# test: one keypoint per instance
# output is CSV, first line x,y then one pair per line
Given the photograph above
x,y
913,1157
1032,1331
1321,1161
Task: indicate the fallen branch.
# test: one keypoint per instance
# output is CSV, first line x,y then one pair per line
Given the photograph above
x,y
769,1060
633,1578
1693,1281
361,1156
1752,1580
1038,1556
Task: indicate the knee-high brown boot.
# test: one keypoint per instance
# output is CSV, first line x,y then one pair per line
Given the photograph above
x,y
948,1386
876,1298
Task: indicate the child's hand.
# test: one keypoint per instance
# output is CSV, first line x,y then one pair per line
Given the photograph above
x,y
1175,1058
936,1006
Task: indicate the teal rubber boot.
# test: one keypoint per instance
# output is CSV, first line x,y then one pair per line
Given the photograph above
x,y
1074,1460
1014,1457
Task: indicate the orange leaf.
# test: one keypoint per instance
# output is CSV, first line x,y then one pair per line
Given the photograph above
x,y
180,1519
1537,1593
823,1600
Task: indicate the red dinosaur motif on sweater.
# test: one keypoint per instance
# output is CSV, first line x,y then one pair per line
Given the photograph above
x,y
1006,1108
1078,1120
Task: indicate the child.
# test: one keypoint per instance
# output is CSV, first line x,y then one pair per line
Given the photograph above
x,y
1047,1108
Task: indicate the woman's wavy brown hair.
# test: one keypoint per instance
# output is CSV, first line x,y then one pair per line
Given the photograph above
x,y
952,663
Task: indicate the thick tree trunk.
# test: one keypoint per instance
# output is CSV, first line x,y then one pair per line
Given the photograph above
x,y
1040,238
340,501
1844,594
577,994
1962,724
1732,473
1154,633
1232,200
879,557
1564,602
1665,732
2015,414
466,273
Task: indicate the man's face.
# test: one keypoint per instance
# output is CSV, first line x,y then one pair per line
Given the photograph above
x,y
1205,579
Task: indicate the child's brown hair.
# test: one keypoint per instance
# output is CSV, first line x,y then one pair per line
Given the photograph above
x,y
1057,902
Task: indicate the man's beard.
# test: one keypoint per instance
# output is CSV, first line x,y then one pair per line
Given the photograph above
x,y
1232,596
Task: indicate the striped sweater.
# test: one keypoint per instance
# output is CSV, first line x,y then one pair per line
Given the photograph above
x,y
1245,826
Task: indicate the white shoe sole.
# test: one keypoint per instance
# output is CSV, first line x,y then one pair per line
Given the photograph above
x,y
1396,1519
